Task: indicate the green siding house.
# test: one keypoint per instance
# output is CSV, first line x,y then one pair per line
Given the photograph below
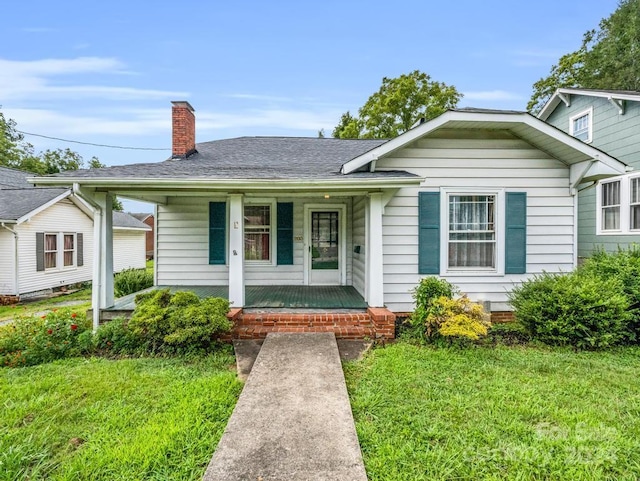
x,y
608,209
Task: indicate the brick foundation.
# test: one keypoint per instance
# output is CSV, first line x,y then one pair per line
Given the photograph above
x,y
502,316
8,300
375,323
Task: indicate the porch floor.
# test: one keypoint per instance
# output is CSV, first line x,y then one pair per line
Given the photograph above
x,y
271,297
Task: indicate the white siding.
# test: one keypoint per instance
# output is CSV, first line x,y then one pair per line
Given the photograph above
x,y
129,249
183,245
7,262
460,159
61,217
359,239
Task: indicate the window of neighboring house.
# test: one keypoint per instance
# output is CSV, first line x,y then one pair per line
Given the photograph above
x,y
610,205
50,251
257,232
634,203
69,249
472,231
580,125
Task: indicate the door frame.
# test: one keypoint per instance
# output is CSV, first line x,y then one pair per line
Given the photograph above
x,y
342,238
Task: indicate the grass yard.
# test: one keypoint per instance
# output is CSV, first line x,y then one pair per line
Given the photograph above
x,y
498,414
30,308
132,419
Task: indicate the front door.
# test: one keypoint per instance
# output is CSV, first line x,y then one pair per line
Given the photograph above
x,y
324,247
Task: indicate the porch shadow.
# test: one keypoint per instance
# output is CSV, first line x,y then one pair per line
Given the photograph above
x,y
273,297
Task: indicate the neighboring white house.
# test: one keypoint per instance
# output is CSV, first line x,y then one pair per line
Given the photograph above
x,y
46,238
483,198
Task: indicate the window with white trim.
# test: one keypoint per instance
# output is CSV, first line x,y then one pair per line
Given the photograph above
x,y
618,205
611,205
257,233
69,250
50,251
580,125
471,231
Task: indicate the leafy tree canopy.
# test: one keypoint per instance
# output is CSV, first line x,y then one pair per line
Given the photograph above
x,y
397,106
16,153
609,58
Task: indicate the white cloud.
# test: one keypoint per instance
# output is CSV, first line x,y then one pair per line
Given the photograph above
x,y
264,98
286,119
495,95
34,79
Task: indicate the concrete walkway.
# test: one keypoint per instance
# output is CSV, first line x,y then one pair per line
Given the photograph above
x,y
293,420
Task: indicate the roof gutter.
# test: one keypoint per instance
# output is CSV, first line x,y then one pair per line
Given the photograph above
x,y
16,272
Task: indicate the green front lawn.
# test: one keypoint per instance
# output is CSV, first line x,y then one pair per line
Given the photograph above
x,y
29,308
131,419
499,414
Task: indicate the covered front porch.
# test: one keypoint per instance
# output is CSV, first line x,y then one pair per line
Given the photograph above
x,y
270,297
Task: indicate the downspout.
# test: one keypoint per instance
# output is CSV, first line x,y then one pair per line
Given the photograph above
x,y
96,286
16,273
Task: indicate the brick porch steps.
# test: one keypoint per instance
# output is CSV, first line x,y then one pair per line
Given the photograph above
x,y
373,323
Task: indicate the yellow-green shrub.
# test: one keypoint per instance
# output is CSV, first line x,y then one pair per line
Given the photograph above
x,y
457,318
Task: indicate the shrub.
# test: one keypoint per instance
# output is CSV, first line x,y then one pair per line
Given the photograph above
x,y
507,333
131,280
34,340
576,309
425,294
116,338
178,323
623,265
456,318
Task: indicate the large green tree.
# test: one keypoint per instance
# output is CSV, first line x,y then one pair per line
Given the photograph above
x,y
16,153
397,106
608,58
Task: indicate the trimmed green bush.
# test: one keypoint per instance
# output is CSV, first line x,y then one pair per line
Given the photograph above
x,y
180,322
131,280
576,309
623,265
33,340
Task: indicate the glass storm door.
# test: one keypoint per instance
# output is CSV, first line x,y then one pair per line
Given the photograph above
x,y
325,248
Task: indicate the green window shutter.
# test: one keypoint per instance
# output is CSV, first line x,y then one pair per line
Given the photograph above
x,y
39,251
285,233
429,233
515,261
80,249
217,233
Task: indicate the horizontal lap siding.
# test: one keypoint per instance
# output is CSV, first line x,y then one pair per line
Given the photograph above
x,y
618,136
7,262
61,217
129,250
515,166
183,245
359,239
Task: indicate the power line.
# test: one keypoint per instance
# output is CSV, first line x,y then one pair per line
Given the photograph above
x,y
90,143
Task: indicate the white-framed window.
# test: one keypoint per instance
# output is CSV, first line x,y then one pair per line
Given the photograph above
x,y
474,222
618,205
69,250
580,125
258,232
50,251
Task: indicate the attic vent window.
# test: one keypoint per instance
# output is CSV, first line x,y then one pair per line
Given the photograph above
x,y
580,125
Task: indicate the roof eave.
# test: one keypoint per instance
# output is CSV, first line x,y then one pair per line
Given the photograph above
x,y
555,99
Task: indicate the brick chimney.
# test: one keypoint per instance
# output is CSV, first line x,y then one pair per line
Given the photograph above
x,y
183,129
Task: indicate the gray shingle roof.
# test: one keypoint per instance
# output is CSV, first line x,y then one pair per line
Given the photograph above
x,y
12,178
16,203
261,158
122,219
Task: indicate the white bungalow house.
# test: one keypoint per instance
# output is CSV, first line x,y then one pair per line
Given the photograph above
x,y
482,198
46,238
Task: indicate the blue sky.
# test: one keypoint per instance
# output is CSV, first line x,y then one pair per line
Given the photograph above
x,y
105,72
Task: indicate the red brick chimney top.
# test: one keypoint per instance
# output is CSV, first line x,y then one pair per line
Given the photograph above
x,y
183,129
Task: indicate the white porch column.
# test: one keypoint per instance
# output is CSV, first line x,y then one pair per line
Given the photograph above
x,y
236,250
102,290
375,281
